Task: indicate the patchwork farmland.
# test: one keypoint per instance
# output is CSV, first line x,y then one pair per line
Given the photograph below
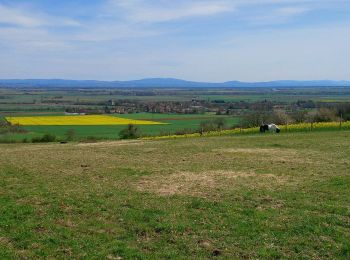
x,y
107,126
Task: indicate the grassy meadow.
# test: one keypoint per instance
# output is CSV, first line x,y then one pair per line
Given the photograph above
x,y
252,196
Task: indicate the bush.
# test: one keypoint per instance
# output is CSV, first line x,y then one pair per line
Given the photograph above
x,y
6,127
131,132
253,119
216,124
343,110
299,116
325,115
36,139
91,139
257,118
280,117
47,138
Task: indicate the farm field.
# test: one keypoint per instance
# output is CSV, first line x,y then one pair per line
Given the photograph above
x,y
190,107
251,196
50,100
83,120
164,124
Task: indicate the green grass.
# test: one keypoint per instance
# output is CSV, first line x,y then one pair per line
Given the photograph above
x,y
254,196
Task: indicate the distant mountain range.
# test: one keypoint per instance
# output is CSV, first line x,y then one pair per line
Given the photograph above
x,y
166,83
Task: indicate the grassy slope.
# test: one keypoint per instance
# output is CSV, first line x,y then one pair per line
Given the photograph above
x,y
246,196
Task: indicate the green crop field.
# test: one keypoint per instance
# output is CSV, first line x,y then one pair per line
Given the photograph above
x,y
252,196
174,123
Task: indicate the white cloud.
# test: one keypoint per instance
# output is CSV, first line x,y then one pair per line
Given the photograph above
x,y
15,16
103,32
140,11
276,15
291,11
21,17
27,40
25,30
129,19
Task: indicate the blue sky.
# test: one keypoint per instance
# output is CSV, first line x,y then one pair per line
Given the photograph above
x,y
203,40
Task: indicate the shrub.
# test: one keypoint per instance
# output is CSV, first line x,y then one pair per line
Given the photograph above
x,y
299,116
213,125
220,123
6,127
280,117
91,139
46,138
253,119
325,115
131,132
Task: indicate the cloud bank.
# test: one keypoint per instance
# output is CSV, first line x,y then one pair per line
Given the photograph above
x,y
211,40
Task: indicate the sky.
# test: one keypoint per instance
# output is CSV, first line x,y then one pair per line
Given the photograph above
x,y
201,40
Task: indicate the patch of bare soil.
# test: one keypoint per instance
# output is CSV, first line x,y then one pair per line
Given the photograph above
x,y
113,143
196,184
266,151
270,154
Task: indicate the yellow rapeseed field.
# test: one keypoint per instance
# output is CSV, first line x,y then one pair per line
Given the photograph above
x,y
76,120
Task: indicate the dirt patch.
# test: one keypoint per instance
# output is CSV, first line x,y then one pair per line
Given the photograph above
x,y
149,150
265,151
196,184
5,241
112,143
267,202
269,154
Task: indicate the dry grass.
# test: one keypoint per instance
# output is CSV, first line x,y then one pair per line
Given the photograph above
x,y
271,154
200,184
112,143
